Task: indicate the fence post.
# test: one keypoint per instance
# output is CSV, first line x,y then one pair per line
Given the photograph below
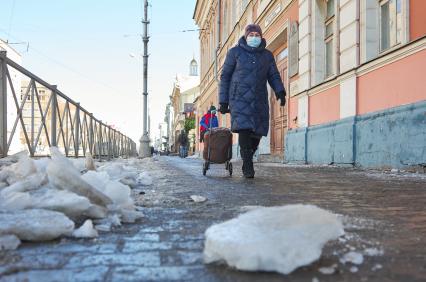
x,y
33,145
3,105
53,121
77,131
91,136
100,140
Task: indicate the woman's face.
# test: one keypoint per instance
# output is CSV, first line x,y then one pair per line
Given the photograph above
x,y
254,34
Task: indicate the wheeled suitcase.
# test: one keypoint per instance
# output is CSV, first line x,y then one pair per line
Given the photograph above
x,y
218,145
218,148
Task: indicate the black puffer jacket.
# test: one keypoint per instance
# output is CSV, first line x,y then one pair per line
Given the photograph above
x,y
243,86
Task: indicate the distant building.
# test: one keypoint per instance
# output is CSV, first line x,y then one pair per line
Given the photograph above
x,y
32,104
185,90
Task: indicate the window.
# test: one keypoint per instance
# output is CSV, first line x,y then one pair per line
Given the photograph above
x,y
329,38
282,55
390,24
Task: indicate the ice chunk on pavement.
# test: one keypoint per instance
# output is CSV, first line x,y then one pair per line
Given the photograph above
x,y
352,257
32,182
35,224
372,252
130,216
198,199
116,191
90,163
376,267
144,179
117,171
42,164
328,270
15,201
95,211
63,175
315,279
18,171
353,269
86,230
103,227
106,223
272,239
63,201
9,242
78,163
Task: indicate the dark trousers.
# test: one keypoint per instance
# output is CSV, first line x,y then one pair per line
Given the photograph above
x,y
248,140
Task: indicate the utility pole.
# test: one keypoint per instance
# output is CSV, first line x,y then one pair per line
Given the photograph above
x,y
144,149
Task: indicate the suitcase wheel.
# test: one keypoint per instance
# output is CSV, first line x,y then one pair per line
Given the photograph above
x,y
205,168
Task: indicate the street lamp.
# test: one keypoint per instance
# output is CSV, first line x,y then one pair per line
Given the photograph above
x,y
144,149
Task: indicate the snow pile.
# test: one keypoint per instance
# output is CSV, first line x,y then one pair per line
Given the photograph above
x,y
272,239
63,175
41,199
126,173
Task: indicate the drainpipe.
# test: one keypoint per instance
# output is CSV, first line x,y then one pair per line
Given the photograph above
x,y
358,35
219,8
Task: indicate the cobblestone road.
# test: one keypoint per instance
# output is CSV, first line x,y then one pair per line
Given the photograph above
x,y
381,211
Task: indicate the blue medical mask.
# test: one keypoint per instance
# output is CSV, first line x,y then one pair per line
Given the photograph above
x,y
253,41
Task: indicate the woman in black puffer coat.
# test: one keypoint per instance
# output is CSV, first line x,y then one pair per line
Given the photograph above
x,y
247,68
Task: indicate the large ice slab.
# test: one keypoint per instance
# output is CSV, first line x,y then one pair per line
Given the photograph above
x,y
35,224
277,239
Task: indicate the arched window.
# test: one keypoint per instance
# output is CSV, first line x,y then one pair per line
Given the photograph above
x,y
193,68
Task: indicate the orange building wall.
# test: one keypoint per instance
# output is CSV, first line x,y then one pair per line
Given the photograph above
x,y
293,111
417,19
396,84
325,106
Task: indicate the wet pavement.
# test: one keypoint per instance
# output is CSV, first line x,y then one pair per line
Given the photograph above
x,y
384,216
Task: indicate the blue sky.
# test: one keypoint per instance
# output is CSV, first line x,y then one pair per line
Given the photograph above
x,y
84,47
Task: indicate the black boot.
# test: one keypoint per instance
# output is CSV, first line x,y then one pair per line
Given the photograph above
x,y
248,169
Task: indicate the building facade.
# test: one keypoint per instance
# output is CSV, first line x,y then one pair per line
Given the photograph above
x,y
353,72
185,90
222,23
359,97
34,127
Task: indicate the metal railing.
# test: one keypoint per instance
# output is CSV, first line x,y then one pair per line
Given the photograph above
x,y
53,119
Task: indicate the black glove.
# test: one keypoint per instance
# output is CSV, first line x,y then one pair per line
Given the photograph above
x,y
224,108
281,96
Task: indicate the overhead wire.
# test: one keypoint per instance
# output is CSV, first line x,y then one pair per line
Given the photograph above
x,y
42,54
12,14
